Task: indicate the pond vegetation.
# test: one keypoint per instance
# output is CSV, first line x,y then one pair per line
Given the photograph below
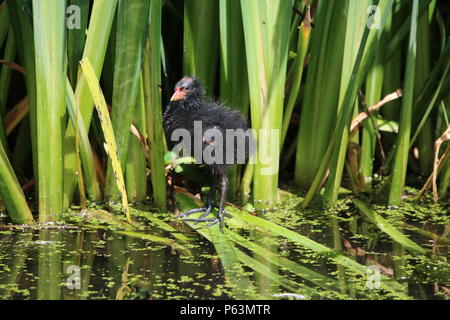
x,y
355,204
160,264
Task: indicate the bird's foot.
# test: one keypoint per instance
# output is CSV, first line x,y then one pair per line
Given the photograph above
x,y
203,218
206,212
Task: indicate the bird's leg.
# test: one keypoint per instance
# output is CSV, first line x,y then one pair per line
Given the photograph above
x,y
211,197
223,193
208,206
222,212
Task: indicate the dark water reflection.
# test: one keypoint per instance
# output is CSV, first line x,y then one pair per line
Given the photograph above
x,y
45,265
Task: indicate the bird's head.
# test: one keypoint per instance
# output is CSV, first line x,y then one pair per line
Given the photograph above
x,y
188,89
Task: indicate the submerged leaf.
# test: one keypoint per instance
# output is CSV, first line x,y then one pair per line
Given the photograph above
x,y
387,228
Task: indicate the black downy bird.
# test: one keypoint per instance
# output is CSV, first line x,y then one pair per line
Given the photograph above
x,y
188,107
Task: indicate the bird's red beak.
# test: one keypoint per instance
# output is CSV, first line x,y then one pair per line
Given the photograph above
x,y
178,95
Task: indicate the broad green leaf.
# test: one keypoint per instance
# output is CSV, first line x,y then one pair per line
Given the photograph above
x,y
131,35
49,21
108,132
11,192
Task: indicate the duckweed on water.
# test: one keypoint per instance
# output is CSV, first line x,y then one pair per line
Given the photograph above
x,y
114,265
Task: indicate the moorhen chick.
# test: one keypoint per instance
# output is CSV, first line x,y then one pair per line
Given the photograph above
x,y
187,109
